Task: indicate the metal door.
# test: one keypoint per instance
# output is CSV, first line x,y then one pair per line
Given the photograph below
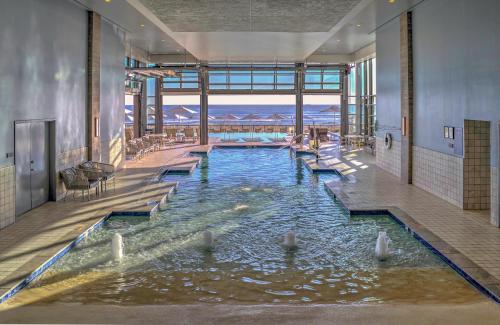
x,y
39,163
23,174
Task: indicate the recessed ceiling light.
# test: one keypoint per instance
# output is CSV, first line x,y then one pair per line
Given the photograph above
x,y
108,1
358,25
142,25
163,40
338,40
391,1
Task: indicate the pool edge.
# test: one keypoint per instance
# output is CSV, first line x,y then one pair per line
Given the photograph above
x,y
430,241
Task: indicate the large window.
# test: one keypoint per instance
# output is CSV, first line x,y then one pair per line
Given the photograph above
x,y
325,79
187,80
361,92
251,80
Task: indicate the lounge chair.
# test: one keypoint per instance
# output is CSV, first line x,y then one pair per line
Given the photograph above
x,y
105,172
75,180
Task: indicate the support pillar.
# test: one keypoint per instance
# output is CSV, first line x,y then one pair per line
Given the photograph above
x,y
299,101
344,103
159,107
365,99
406,72
359,98
137,116
93,86
203,108
144,108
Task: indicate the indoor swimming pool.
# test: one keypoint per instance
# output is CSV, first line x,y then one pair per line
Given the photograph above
x,y
249,199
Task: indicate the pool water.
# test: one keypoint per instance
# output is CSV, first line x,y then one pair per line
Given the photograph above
x,y
266,137
249,199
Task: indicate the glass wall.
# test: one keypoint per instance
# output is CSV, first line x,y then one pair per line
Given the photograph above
x,y
325,79
362,112
251,80
184,80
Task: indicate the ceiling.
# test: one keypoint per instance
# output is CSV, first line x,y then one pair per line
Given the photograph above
x,y
250,30
291,16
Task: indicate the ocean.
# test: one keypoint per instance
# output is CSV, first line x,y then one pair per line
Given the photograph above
x,y
312,114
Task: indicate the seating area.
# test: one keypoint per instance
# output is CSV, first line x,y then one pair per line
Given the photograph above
x,y
88,176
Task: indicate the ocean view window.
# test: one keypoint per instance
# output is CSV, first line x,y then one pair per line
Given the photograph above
x,y
183,80
250,80
327,79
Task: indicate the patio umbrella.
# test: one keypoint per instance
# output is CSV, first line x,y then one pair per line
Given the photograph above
x,y
251,117
331,109
181,110
228,117
276,117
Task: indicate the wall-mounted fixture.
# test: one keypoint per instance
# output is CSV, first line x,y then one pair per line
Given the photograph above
x,y
96,127
404,128
449,132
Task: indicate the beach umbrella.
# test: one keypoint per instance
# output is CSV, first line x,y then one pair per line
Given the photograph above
x,y
228,117
331,109
182,111
276,117
251,117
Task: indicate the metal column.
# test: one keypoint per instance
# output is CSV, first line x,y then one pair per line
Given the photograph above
x,y
144,108
93,85
137,116
158,107
299,101
203,107
359,98
344,102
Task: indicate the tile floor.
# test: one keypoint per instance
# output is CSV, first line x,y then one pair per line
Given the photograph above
x,y
466,231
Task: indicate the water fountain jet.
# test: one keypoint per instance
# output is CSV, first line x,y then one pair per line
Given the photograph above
x,y
382,251
208,239
290,240
117,247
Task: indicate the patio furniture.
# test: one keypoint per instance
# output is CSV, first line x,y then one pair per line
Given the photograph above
x,y
180,137
133,149
190,135
105,172
76,180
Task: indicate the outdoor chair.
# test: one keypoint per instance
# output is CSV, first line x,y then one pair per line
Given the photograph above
x,y
105,172
133,149
76,180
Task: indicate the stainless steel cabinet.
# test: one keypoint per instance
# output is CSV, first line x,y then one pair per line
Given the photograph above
x,y
32,165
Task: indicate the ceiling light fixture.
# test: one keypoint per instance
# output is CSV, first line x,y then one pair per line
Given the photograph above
x,y
142,25
358,25
107,1
391,1
338,40
163,40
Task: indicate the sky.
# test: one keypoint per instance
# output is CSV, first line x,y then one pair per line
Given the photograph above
x,y
246,100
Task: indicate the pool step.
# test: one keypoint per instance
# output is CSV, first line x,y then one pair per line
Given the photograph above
x,y
184,165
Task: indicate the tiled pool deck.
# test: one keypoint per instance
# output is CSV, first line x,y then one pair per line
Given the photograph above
x,y
464,236
44,231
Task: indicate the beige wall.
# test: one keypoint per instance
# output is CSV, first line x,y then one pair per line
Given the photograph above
x,y
477,165
7,196
439,174
389,159
495,219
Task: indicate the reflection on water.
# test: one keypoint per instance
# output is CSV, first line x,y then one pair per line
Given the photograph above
x,y
249,200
